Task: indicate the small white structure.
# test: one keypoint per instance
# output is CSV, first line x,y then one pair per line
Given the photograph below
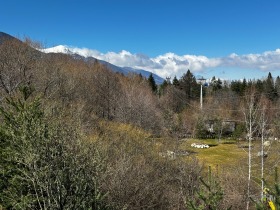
x,y
200,146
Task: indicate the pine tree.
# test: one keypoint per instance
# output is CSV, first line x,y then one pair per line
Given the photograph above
x,y
209,195
259,86
243,86
175,82
277,86
216,84
239,87
152,83
162,87
269,88
189,85
271,198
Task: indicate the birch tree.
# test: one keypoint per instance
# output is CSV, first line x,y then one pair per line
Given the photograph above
x,y
250,112
264,121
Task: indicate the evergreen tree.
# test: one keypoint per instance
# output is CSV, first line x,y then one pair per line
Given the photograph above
x,y
243,86
189,85
259,86
270,91
250,84
216,84
152,83
239,87
271,198
162,87
277,85
234,86
175,82
209,195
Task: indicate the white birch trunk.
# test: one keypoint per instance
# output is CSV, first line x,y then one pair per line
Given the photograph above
x,y
250,113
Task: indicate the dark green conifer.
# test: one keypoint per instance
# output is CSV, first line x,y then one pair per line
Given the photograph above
x,y
269,88
175,82
152,83
189,85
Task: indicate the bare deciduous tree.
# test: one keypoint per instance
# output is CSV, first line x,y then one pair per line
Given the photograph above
x,y
250,111
17,61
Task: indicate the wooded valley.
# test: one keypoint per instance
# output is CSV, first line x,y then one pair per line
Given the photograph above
x,y
75,135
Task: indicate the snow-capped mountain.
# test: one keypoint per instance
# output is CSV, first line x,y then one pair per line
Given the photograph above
x,y
58,49
93,54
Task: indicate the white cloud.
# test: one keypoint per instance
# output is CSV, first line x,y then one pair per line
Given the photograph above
x,y
267,61
170,64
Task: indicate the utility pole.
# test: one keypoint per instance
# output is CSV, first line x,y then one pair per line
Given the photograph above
x,y
201,99
202,82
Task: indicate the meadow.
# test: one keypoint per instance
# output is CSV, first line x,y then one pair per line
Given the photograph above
x,y
231,155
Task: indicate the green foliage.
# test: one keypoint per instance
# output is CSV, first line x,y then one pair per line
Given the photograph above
x,y
239,131
277,85
152,83
239,87
43,163
216,84
163,87
259,86
175,82
209,195
269,88
189,85
271,196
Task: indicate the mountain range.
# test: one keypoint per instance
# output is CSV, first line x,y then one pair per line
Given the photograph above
x,y
123,70
70,51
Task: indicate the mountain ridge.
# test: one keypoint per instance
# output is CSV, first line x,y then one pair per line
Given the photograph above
x,y
76,52
64,49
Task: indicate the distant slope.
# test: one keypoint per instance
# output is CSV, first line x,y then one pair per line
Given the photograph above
x,y
110,66
67,50
123,70
127,70
145,73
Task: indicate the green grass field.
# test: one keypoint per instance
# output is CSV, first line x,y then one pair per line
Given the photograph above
x,y
231,155
219,154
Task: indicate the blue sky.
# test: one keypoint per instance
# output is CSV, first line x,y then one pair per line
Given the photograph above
x,y
231,39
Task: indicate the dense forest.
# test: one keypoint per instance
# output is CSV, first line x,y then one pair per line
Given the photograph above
x,y
75,135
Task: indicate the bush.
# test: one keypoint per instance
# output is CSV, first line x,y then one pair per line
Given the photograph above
x,y
44,164
137,177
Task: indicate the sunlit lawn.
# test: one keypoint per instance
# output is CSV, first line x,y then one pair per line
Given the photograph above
x,y
232,156
219,154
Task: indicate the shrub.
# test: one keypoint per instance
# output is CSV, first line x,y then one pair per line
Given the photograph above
x,y
44,164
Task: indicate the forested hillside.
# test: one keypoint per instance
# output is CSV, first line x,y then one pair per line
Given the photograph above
x,y
75,135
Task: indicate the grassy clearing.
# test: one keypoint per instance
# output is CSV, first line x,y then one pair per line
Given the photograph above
x,y
225,154
222,154
232,155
